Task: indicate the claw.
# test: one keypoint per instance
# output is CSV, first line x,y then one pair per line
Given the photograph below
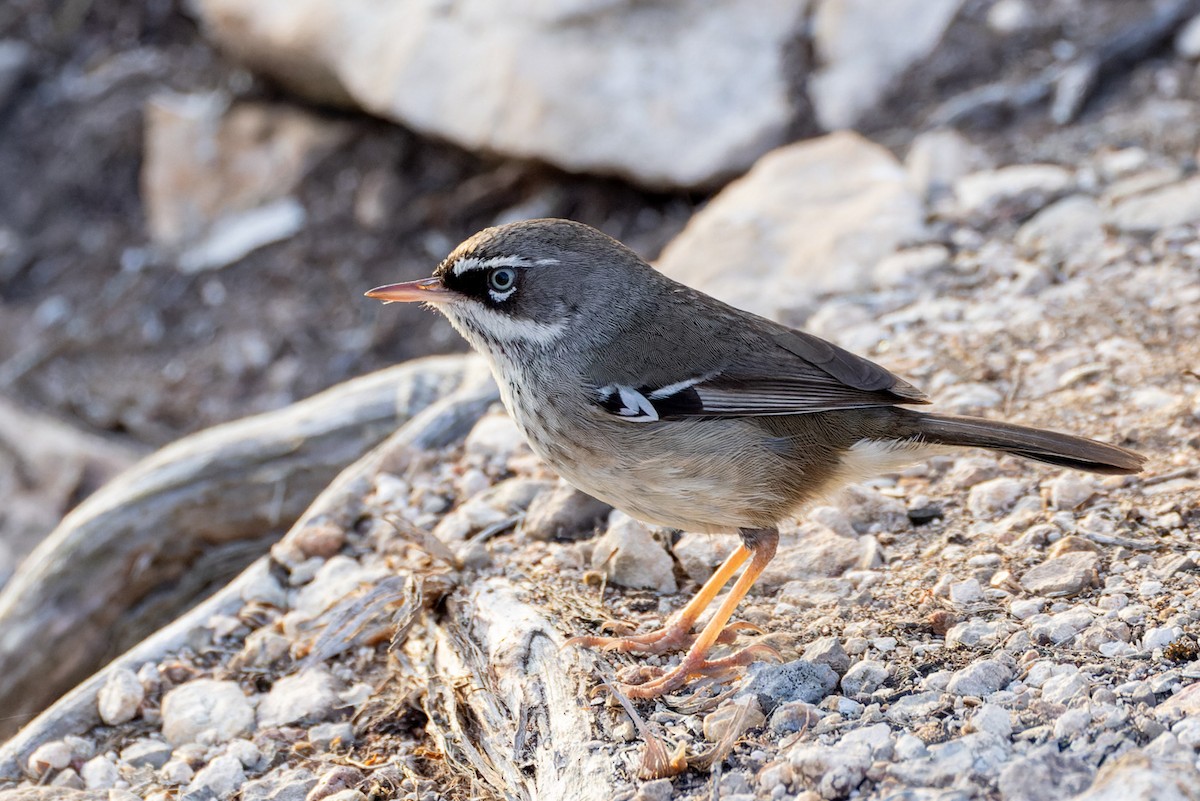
x,y
692,666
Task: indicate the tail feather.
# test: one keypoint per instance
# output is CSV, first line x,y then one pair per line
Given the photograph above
x,y
1051,447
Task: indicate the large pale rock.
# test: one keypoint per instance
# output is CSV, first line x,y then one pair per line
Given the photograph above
x,y
209,163
809,218
864,46
670,94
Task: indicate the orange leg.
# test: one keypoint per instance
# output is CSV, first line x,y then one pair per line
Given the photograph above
x,y
761,543
676,633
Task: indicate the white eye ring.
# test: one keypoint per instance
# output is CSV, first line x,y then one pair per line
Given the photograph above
x,y
502,279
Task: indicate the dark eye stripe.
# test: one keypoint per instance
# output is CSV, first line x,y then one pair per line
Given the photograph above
x,y
477,283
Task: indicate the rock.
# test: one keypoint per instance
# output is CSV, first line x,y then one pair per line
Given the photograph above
x,y
1060,628
1137,777
994,719
990,498
864,47
338,577
828,651
809,218
1064,687
937,159
1044,774
347,795
699,554
1070,490
1171,206
1160,637
1187,41
54,755
1025,608
235,236
564,514
495,437
745,713
210,165
576,84
1072,723
969,471
1070,229
1186,702
222,776
980,678
792,717
837,772
631,557
966,592
1028,186
914,709
281,784
864,677
798,680
656,790
99,773
869,510
176,772
975,631
335,780
205,710
120,697
813,550
146,753
1063,575
306,697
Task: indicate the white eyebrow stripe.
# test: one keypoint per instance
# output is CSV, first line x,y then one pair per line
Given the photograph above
x,y
467,263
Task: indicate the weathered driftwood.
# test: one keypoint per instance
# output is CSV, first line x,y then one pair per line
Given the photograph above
x,y
441,423
185,519
506,699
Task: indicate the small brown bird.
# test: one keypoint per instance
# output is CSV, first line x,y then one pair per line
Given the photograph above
x,y
684,411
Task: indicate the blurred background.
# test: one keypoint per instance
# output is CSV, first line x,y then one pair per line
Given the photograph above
x,y
194,196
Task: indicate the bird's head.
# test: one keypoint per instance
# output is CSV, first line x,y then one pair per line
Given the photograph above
x,y
528,285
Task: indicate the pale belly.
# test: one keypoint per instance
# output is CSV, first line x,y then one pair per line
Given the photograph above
x,y
695,475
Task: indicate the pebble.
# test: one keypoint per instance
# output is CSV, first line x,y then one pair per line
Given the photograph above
x,y
495,437
325,736
306,697
1072,723
350,794
120,697
994,719
54,755
334,780
99,773
868,510
1187,41
1045,774
1063,575
1064,688
798,680
864,677
966,592
980,678
146,753
221,777
1025,608
563,513
655,790
717,723
828,651
794,716
281,784
990,498
631,557
1032,185
969,471
915,709
205,710
1071,490
176,772
1160,637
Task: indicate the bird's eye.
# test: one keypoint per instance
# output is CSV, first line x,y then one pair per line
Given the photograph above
x,y
502,279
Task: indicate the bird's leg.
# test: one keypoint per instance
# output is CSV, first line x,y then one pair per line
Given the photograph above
x,y
761,544
676,633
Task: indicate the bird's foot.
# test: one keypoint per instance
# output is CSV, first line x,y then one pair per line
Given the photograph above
x,y
653,682
674,636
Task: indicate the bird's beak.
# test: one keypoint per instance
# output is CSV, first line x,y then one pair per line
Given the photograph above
x,y
426,290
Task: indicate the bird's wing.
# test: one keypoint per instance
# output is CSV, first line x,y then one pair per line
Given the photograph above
x,y
776,372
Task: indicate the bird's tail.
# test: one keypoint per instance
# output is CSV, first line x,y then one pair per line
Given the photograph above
x,y
1051,447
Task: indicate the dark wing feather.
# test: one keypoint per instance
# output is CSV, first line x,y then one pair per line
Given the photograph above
x,y
774,372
